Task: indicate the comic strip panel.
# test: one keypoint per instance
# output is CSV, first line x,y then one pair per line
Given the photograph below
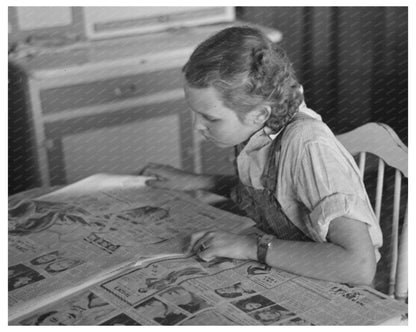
x,y
184,299
273,314
253,303
21,275
83,309
160,312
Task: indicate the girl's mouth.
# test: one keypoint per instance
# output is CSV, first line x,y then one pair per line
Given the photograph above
x,y
208,138
213,140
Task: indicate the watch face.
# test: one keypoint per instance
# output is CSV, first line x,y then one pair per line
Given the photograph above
x,y
266,240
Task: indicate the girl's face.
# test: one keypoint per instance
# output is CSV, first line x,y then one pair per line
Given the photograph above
x,y
215,121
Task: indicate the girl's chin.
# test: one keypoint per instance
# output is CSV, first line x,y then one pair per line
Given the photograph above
x,y
218,143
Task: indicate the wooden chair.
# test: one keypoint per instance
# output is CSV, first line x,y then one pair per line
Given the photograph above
x,y
379,145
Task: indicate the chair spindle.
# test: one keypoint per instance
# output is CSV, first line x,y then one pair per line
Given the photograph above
x,y
395,231
379,190
361,164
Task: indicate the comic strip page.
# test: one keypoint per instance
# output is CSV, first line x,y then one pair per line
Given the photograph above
x,y
95,227
188,291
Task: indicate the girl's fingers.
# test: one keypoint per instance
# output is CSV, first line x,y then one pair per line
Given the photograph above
x,y
195,241
150,167
202,244
158,184
144,170
207,254
161,173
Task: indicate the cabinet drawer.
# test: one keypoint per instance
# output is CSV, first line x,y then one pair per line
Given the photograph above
x,y
108,91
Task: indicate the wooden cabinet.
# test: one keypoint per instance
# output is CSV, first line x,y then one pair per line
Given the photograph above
x,y
109,106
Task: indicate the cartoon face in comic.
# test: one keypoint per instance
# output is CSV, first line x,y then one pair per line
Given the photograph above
x,y
234,290
46,258
253,303
160,312
184,299
63,265
272,314
21,275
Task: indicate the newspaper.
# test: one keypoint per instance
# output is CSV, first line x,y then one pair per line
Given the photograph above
x,y
188,291
84,233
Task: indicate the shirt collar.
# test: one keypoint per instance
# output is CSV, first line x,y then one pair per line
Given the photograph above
x,y
253,157
258,140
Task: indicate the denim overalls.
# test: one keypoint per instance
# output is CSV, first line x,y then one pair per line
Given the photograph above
x,y
261,205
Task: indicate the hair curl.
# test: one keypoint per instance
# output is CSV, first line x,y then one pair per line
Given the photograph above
x,y
248,70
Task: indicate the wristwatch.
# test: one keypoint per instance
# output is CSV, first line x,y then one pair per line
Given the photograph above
x,y
263,244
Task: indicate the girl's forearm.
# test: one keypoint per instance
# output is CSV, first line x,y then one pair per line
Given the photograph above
x,y
327,261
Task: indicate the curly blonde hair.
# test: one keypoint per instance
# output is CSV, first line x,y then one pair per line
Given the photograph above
x,y
248,70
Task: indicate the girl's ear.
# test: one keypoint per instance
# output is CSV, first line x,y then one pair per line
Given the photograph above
x,y
260,115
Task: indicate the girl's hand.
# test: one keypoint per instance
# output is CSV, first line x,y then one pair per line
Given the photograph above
x,y
168,177
209,245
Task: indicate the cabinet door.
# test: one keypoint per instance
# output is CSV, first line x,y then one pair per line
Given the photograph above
x,y
123,149
120,141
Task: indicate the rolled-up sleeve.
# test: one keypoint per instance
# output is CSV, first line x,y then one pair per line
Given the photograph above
x,y
329,186
334,206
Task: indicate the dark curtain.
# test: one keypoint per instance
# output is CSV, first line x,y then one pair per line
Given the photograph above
x,y
352,61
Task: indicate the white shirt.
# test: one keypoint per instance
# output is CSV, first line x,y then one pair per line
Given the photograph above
x,y
317,180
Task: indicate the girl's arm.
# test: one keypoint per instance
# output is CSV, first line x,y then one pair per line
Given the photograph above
x,y
168,177
348,256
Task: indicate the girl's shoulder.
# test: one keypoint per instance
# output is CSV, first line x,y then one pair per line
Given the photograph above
x,y
307,129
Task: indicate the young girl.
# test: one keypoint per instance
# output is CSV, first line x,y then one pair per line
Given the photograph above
x,y
295,180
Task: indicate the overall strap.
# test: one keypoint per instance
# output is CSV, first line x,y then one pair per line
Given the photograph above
x,y
269,176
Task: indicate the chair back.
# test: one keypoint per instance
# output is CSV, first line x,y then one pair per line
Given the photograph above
x,y
375,146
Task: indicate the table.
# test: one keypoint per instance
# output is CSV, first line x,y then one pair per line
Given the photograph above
x,y
161,286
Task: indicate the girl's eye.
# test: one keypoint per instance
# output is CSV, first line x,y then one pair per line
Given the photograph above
x,y
210,119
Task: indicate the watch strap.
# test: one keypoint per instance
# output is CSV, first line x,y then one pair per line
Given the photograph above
x,y
263,244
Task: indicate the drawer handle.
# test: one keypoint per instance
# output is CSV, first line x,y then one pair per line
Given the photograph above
x,y
125,90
